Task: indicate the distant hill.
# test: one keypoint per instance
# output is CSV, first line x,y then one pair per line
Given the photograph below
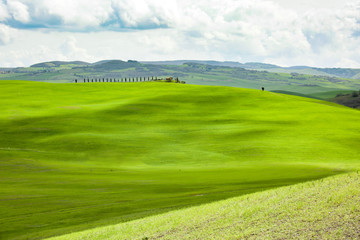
x,y
332,72
349,73
59,63
294,94
253,65
340,72
115,64
298,80
351,100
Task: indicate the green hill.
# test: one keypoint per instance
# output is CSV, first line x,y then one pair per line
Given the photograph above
x,y
326,95
325,209
352,73
351,99
58,64
79,156
295,94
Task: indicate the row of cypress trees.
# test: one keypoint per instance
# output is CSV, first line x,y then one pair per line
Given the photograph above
x,y
135,79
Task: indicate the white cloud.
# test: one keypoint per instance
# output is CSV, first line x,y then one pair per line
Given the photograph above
x,y
6,34
250,30
96,14
71,50
77,14
4,14
19,11
145,13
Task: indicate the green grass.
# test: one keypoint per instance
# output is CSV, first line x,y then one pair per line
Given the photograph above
x,y
331,94
324,209
326,95
78,156
294,93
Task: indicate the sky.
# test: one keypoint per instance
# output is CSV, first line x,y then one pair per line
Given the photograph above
x,y
287,33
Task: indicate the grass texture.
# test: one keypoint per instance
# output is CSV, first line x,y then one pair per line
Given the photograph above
x,y
79,156
323,209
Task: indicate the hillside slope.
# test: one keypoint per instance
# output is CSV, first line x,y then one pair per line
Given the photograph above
x,y
324,209
351,100
78,156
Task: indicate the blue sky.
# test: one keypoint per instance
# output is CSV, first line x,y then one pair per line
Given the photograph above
x,y
317,33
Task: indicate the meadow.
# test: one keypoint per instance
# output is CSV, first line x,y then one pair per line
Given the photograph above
x,y
323,209
79,156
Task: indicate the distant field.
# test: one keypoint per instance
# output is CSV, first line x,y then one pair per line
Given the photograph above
x,y
199,73
330,94
78,156
317,95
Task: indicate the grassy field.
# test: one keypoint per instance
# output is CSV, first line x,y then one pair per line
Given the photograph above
x,y
326,95
78,156
330,94
324,209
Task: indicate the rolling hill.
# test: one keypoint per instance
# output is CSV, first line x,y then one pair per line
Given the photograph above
x,y
351,99
249,75
324,209
352,73
80,156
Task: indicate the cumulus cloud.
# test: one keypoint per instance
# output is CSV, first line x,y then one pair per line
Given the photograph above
x,y
74,14
93,15
146,14
6,34
19,11
71,50
4,14
250,30
41,47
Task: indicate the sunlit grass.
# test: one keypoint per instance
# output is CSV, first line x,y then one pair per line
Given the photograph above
x,y
78,156
324,209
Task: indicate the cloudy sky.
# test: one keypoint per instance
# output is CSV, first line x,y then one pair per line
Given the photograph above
x,y
324,33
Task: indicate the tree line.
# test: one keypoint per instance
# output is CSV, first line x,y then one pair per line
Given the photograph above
x,y
133,79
